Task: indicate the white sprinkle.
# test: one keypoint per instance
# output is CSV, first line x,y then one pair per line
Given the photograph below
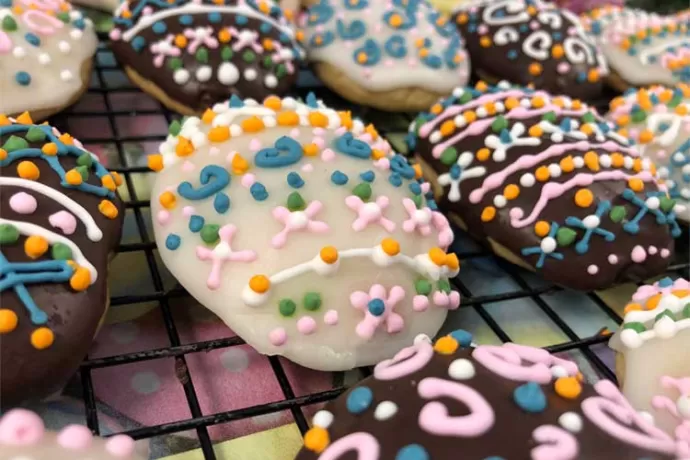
x,y
500,107
323,419
76,34
527,180
559,371
653,202
64,47
421,338
66,75
250,74
435,137
459,121
578,162
613,259
481,112
554,170
605,161
592,269
18,52
270,81
269,122
557,137
235,130
591,221
458,92
461,369
228,73
500,201
628,162
571,422
44,58
181,76
204,73
548,245
525,103
385,410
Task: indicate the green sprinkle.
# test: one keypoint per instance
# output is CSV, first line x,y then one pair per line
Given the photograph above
x,y
287,307
417,201
61,251
499,124
85,159
248,56
617,214
635,326
588,117
8,234
84,172
667,204
422,287
550,117
175,128
15,143
281,71
9,24
175,63
363,191
639,116
267,62
201,55
675,101
295,202
565,236
35,134
666,312
226,53
209,233
443,286
466,97
686,311
312,301
449,156
64,17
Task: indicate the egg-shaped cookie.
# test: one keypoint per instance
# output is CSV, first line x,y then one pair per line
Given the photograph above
x,y
531,43
191,54
548,183
302,229
60,221
398,55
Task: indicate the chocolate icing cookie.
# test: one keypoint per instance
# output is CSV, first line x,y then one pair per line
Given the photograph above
x,y
529,42
448,401
549,184
60,218
192,54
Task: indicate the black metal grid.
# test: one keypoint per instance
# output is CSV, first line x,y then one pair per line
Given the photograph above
x,y
199,421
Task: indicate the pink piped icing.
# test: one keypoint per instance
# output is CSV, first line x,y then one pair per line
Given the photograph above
x,y
21,427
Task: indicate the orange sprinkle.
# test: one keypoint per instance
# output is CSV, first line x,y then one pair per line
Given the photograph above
x,y
537,102
587,129
346,119
568,387
117,177
681,110
25,119
329,254
653,302
259,284
239,165
681,293
636,184
542,174
461,18
637,165
488,214
446,345
646,136
623,120
50,149
390,246
35,246
447,128
3,154
617,160
481,86
66,139
42,338
316,439
180,41
311,150
424,52
511,103
542,228
632,307
273,103
287,119
219,134
557,51
417,171
73,177
452,261
584,198
470,116
81,279
108,209
4,121
108,182
252,125
567,164
371,130
436,109
184,147
536,131
666,96
362,57
223,36
268,44
576,104
377,154
8,321
155,162
483,154
28,170
395,20
592,160
167,200
437,256
593,76
318,119
208,116
490,108
511,191
535,69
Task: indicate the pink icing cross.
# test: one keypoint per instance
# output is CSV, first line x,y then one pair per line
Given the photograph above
x,y
445,233
297,220
244,38
369,213
200,36
393,321
420,219
222,253
680,409
163,49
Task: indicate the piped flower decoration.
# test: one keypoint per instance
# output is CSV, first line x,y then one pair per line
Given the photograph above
x,y
297,217
378,308
369,213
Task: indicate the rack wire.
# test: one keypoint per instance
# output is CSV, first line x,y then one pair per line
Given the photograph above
x,y
389,126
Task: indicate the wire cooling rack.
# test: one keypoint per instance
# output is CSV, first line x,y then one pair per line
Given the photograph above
x,y
483,305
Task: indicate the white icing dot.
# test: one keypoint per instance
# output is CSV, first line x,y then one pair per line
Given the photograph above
x,y
653,202
500,201
181,76
204,73
559,371
44,58
250,74
76,34
435,137
527,180
18,52
66,75
578,162
422,338
124,333
228,73
145,382
270,81
591,221
458,92
628,162
322,419
557,137
459,121
631,338
613,259
571,421
385,410
554,170
592,269
461,369
605,161
683,405
499,106
270,122
665,328
235,130
481,112
526,103
548,245
64,47
235,359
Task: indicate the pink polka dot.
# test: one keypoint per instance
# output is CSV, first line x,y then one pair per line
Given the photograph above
x,y
120,446
277,337
248,180
75,437
163,217
306,325
592,269
420,302
188,211
652,250
665,253
331,317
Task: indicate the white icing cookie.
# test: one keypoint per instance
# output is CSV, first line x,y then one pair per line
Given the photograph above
x,y
631,38
653,345
303,231
658,120
384,46
45,51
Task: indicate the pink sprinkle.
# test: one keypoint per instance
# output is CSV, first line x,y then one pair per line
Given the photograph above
x,y
388,63
331,317
63,220
661,153
20,427
420,303
340,131
652,250
294,132
318,131
534,25
120,446
188,211
75,437
163,217
255,145
592,269
307,167
383,164
572,30
665,253
213,151
248,180
441,299
412,62
147,11
483,29
187,166
638,254
454,297
426,186
319,141
115,34
23,203
328,155
563,67
306,325
613,259
277,337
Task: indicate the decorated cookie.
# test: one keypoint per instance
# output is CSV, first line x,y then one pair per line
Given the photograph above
x,y
104,5
392,55
653,359
24,437
60,218
658,120
529,42
642,48
46,49
302,230
548,184
192,54
450,400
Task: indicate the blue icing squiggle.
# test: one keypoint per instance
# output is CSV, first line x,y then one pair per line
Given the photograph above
x,y
396,47
321,40
370,52
356,29
408,19
355,4
286,152
348,145
320,14
213,179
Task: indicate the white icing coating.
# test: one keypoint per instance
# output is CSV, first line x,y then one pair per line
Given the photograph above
x,y
43,73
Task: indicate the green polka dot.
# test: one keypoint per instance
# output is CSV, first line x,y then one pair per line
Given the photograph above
x,y
83,171
588,117
226,53
363,191
8,234
466,97
287,307
667,204
550,117
85,160
175,63
617,214
248,56
443,286
9,24
295,202
209,233
281,71
666,312
635,326
64,17
175,128
499,124
449,156
686,311
35,134
639,116
14,143
422,287
417,200
201,55
61,251
312,301
565,236
267,62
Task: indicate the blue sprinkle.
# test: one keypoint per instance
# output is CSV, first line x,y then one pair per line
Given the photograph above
x,y
258,191
530,398
395,179
463,337
311,101
221,203
214,17
412,452
186,20
505,137
524,28
7,3
294,180
241,20
159,27
23,78
172,242
367,176
494,457
359,400
566,124
581,77
236,102
557,36
265,27
196,223
138,43
376,307
32,39
665,282
284,38
512,55
455,171
79,24
339,178
415,188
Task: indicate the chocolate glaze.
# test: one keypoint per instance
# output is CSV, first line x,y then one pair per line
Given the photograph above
x,y
199,95
510,62
25,372
574,269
